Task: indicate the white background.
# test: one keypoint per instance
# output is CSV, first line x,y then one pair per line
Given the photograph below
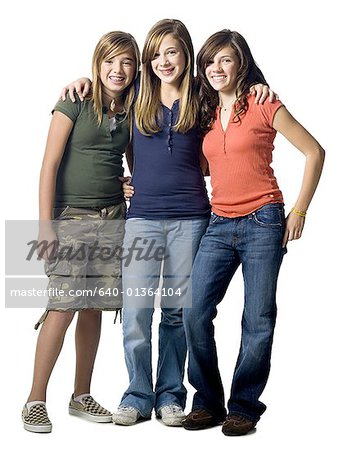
x,y
297,44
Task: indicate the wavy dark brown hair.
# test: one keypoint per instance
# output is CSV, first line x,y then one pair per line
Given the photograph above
x,y
248,74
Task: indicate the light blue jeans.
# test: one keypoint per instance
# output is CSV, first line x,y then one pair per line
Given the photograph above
x,y
174,244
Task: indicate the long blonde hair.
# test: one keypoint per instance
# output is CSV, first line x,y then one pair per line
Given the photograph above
x,y
147,107
109,46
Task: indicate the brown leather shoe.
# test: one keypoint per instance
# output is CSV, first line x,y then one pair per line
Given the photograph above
x,y
200,419
237,425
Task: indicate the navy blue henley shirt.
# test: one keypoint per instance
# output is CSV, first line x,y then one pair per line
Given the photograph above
x,y
167,178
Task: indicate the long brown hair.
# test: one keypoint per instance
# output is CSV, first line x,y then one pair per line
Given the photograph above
x,y
109,46
147,107
248,74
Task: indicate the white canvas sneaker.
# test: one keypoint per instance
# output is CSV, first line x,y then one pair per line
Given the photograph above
x,y
171,415
127,415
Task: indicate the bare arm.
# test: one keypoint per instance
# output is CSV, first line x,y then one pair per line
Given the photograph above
x,y
82,86
129,156
204,165
295,133
59,132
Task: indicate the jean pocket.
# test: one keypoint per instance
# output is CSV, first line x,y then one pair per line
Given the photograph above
x,y
214,218
271,216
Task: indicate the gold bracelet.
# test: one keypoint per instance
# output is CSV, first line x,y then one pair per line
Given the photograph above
x,y
298,212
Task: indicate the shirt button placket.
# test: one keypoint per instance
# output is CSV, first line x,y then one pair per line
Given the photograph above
x,y
170,132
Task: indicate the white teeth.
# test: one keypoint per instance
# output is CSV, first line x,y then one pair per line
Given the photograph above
x,y
218,77
117,78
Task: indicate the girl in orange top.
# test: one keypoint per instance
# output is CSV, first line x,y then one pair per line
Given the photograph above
x,y
247,227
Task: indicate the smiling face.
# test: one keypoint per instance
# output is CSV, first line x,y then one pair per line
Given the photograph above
x,y
222,71
169,61
117,73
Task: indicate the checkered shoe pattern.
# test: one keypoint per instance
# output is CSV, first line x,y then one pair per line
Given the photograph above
x,y
92,407
89,409
36,418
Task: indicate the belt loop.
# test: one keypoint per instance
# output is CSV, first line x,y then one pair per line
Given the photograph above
x,y
104,212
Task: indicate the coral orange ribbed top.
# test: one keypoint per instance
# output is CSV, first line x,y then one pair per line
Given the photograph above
x,y
239,161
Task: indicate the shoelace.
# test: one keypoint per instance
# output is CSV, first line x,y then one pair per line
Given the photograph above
x,y
126,408
172,409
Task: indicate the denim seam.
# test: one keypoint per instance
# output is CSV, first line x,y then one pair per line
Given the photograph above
x,y
265,225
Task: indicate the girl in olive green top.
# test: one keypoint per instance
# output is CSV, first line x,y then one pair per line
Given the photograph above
x,y
80,181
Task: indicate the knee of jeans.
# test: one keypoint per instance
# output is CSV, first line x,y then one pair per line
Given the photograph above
x,y
173,317
262,324
137,323
136,333
195,319
187,315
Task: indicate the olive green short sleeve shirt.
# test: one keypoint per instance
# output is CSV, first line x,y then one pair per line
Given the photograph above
x,y
92,160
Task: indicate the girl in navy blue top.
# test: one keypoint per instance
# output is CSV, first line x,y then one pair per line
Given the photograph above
x,y
168,215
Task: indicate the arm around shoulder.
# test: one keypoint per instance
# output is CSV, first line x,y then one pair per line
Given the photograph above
x,y
81,86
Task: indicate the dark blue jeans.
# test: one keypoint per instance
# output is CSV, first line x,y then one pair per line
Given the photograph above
x,y
254,241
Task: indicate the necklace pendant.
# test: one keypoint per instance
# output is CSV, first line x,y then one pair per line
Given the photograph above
x,y
112,105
